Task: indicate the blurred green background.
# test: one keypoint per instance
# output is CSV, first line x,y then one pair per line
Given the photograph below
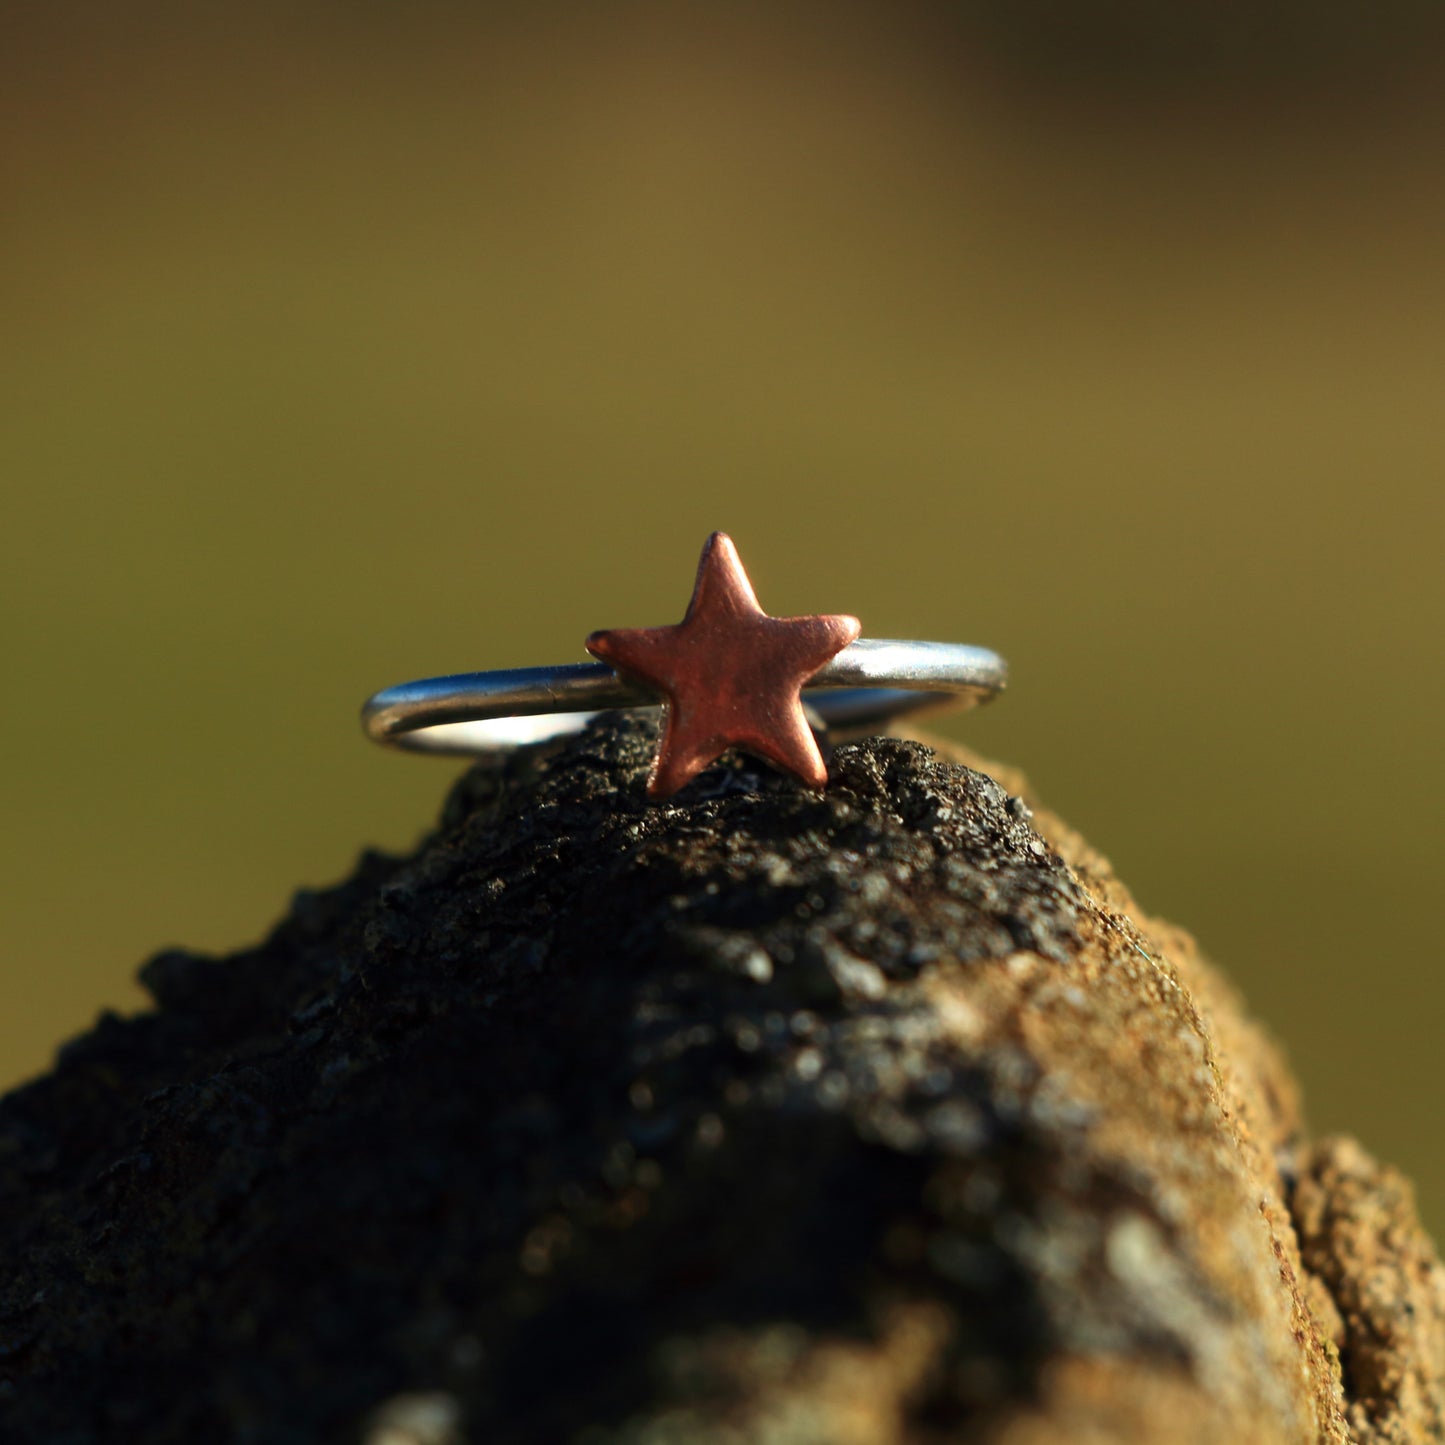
x,y
343,345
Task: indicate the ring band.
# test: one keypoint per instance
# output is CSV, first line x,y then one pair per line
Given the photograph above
x,y
727,676
866,684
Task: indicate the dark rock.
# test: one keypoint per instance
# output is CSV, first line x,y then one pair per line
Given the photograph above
x,y
759,1115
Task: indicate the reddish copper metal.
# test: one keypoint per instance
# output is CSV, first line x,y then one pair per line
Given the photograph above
x,y
730,674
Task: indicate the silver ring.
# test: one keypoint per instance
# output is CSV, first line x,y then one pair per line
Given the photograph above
x,y
727,676
868,683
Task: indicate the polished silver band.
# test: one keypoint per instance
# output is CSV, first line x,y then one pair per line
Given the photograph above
x,y
865,685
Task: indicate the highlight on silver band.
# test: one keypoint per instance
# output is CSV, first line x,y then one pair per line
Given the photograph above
x,y
864,686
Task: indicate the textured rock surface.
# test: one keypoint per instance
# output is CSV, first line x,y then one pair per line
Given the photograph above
x,y
877,1116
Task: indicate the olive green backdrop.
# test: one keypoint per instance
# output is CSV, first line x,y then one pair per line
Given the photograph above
x,y
342,345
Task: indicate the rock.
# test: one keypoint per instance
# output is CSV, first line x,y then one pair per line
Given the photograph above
x,y
872,1116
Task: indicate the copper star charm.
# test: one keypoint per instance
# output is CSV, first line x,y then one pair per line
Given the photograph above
x,y
731,675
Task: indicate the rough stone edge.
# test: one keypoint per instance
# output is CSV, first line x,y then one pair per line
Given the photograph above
x,y
1364,1279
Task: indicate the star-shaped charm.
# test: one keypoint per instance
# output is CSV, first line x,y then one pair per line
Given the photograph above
x,y
731,676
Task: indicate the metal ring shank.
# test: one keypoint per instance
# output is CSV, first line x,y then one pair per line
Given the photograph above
x,y
481,712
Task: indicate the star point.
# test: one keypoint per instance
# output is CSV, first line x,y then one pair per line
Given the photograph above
x,y
730,675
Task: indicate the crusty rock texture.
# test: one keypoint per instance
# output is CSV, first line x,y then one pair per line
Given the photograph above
x,y
876,1117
